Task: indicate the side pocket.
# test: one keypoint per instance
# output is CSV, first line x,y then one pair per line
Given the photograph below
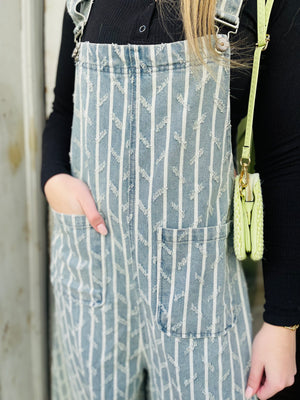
x,y
76,270
194,296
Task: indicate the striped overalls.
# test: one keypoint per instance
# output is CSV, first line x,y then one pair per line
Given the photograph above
x,y
158,308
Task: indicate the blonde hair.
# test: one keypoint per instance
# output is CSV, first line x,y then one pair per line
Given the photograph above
x,y
198,17
198,21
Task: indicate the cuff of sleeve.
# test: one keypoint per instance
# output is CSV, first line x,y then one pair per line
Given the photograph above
x,y
280,318
55,169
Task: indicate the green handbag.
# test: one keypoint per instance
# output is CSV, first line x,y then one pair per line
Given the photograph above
x,y
248,201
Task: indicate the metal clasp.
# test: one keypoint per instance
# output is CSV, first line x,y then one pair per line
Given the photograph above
x,y
77,41
222,43
232,28
244,176
265,46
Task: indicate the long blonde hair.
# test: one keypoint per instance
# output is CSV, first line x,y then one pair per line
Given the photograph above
x,y
198,21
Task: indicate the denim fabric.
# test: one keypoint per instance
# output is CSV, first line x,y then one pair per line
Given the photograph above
x,y
162,295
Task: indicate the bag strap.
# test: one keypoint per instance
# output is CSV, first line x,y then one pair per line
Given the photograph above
x,y
263,17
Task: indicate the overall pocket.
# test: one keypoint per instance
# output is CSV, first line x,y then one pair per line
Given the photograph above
x,y
76,270
194,296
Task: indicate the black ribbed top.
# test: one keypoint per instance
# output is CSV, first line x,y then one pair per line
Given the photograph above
x,y
133,21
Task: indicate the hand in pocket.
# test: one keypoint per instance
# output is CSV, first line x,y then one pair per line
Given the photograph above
x,y
69,195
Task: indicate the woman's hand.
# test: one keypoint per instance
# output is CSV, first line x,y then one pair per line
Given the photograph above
x,y
69,195
273,364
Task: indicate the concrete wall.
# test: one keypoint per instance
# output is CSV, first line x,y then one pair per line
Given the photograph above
x,y
23,283
53,22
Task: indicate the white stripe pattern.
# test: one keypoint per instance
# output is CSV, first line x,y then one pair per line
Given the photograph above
x,y
162,292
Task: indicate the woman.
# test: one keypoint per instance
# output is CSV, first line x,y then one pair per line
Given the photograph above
x,y
149,297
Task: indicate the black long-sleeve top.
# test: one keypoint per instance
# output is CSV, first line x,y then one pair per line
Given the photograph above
x,y
276,125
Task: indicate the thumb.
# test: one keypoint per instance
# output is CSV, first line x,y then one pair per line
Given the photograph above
x,y
255,379
88,206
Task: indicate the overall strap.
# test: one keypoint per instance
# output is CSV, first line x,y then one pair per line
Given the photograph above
x,y
263,17
79,11
228,14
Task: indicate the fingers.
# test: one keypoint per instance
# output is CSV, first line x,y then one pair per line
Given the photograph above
x,y
69,195
271,387
88,205
273,361
255,379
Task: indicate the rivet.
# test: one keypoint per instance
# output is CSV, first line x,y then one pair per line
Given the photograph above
x,y
142,28
222,43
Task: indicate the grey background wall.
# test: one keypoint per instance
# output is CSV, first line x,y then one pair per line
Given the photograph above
x,y
54,10
23,344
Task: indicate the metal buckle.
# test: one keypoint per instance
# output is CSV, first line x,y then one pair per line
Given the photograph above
x,y
77,41
265,46
228,25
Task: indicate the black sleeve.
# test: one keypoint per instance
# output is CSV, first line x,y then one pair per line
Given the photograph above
x,y
277,148
57,132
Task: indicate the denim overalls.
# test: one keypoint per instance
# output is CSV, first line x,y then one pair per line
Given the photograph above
x,y
158,308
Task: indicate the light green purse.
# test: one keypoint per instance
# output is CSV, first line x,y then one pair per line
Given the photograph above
x,y
248,202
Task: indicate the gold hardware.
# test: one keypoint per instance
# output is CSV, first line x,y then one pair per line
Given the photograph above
x,y
265,46
245,161
244,178
292,328
244,175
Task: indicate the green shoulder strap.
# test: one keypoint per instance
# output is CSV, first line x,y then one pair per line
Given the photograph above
x,y
263,17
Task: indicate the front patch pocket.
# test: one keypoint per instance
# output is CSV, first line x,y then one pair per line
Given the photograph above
x,y
77,271
194,297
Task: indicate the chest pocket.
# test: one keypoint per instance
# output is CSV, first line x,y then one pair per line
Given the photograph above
x,y
194,298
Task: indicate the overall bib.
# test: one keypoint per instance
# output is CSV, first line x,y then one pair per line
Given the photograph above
x,y
157,309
